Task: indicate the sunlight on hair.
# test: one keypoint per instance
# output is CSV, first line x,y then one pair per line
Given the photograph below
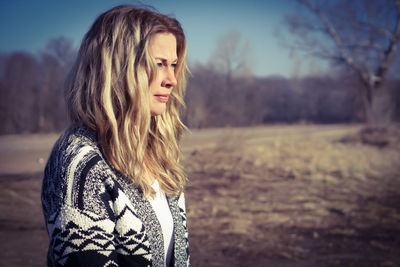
x,y
107,91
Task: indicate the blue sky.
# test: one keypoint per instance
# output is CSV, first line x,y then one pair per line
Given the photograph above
x,y
28,25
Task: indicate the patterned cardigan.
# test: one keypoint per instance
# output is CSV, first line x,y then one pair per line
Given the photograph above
x,y
95,217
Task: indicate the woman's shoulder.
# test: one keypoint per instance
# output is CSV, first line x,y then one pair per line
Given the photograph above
x,y
75,142
74,139
77,146
75,169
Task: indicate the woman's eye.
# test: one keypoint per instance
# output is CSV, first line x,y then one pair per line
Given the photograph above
x,y
173,65
159,64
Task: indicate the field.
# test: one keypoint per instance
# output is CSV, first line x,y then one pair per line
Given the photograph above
x,y
263,196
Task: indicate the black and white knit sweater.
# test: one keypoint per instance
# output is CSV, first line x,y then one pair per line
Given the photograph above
x,y
95,217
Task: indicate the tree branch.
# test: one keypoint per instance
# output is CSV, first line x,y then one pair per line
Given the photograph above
x,y
390,51
344,56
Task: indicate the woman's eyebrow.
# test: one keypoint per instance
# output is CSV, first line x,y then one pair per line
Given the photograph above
x,y
166,60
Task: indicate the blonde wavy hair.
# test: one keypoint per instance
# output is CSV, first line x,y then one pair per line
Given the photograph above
x,y
108,91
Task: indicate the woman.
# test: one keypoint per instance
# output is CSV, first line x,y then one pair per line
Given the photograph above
x,y
112,191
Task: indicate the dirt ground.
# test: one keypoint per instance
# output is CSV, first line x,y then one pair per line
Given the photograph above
x,y
261,196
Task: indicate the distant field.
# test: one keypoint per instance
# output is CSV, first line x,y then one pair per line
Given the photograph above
x,y
260,196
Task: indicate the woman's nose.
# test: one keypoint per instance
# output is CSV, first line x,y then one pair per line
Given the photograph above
x,y
170,79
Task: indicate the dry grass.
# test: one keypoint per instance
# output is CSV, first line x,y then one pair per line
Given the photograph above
x,y
262,196
296,196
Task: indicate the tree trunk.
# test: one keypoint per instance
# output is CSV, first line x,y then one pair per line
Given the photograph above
x,y
379,110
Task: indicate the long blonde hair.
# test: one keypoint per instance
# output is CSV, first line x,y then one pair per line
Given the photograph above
x,y
108,91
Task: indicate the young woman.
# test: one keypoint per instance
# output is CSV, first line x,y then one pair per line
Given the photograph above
x,y
112,191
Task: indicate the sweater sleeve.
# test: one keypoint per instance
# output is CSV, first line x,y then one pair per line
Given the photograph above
x,y
86,217
80,238
79,217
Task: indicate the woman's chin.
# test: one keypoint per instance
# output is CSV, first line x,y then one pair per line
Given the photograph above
x,y
158,109
157,112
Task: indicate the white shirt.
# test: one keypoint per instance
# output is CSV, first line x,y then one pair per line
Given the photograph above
x,y
164,216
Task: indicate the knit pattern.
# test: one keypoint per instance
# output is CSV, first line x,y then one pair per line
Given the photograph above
x,y
96,217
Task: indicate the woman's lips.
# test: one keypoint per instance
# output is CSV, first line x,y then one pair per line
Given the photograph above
x,y
162,98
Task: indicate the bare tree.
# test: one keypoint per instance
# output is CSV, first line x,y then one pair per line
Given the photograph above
x,y
56,61
17,103
229,62
362,36
31,88
62,49
231,55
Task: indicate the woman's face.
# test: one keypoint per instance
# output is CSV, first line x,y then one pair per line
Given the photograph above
x,y
163,50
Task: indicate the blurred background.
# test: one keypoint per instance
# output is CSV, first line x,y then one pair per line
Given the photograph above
x,y
252,63
294,110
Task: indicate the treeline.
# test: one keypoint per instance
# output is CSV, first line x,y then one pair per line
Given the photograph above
x,y
216,100
31,89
